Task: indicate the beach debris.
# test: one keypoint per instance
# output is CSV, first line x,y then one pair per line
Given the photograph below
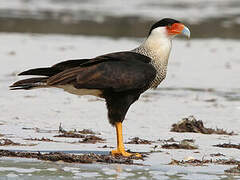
x,y
196,152
168,140
228,145
234,170
8,142
70,134
92,139
155,149
227,161
80,134
191,162
87,131
174,162
173,140
216,154
197,162
72,158
106,146
40,139
38,130
191,124
188,140
75,134
137,140
181,145
60,129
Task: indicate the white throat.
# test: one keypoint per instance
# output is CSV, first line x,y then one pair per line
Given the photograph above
x,y
157,46
159,43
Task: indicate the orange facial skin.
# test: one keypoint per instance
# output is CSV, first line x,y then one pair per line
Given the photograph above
x,y
175,29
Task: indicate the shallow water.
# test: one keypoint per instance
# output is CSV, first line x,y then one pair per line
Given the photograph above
x,y
31,169
203,80
207,19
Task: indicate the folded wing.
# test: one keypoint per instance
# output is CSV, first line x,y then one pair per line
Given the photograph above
x,y
116,71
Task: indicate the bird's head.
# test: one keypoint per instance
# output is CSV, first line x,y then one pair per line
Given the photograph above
x,y
169,28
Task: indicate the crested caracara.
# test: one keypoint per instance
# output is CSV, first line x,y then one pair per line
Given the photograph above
x,y
120,77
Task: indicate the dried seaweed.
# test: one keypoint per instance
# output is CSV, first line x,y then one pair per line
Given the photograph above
x,y
216,154
234,170
197,162
228,145
71,158
87,131
137,140
8,142
226,161
188,140
70,134
191,124
106,146
184,144
168,140
38,139
154,149
92,139
78,134
181,145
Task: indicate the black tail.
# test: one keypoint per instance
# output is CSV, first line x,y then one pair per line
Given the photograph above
x,y
41,72
30,83
47,72
55,69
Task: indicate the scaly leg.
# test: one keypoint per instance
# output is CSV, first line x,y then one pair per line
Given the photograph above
x,y
120,147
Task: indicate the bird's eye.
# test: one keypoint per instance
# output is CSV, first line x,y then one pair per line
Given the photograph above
x,y
169,25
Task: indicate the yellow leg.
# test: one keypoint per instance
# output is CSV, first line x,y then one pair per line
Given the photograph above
x,y
120,146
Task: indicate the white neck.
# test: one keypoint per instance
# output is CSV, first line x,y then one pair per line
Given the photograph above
x,y
157,46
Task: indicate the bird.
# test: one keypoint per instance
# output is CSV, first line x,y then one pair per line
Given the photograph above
x,y
119,77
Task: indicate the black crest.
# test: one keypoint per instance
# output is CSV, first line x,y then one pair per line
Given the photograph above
x,y
163,22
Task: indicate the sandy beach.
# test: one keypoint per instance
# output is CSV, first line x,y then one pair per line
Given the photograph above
x,y
202,80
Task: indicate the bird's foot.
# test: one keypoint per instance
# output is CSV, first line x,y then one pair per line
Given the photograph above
x,y
122,152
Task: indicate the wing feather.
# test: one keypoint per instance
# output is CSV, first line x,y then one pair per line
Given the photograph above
x,y
114,71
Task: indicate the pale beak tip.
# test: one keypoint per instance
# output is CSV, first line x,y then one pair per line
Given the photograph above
x,y
186,32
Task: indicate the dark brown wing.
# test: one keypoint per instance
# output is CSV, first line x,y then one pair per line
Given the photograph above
x,y
62,66
117,71
55,69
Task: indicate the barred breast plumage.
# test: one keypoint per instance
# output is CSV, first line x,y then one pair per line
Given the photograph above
x,y
158,51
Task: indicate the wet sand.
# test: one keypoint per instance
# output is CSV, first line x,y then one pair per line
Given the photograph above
x,y
203,80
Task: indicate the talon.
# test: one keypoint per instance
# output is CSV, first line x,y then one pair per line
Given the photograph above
x,y
138,155
124,153
120,146
119,152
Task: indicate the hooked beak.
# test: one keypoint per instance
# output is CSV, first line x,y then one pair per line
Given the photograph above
x,y
178,28
186,32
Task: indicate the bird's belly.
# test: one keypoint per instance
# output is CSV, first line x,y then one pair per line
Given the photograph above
x,y
71,89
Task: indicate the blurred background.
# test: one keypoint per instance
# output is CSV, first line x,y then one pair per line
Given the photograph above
x,y
207,18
